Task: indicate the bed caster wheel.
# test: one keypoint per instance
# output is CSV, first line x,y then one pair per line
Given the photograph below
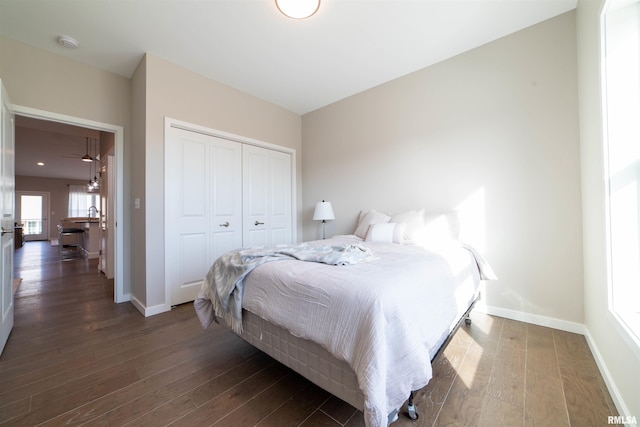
x,y
467,321
411,412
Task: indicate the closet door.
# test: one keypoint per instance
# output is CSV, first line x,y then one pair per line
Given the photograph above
x,y
267,196
225,196
203,206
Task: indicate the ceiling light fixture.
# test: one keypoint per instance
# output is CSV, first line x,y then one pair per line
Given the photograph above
x,y
94,184
87,157
68,42
298,9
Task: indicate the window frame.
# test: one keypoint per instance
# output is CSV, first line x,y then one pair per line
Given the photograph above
x,y
627,322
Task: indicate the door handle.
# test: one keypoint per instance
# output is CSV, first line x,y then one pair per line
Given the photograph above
x,y
258,223
6,231
225,224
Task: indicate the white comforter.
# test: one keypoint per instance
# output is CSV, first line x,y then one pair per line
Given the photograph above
x,y
386,317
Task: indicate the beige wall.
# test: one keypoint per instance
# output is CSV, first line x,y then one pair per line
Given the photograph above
x,y
38,79
44,81
172,91
617,356
138,171
498,123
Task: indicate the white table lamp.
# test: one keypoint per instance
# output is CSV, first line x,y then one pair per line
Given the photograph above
x,y
324,213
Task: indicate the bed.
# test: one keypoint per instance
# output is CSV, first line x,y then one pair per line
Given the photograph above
x,y
364,326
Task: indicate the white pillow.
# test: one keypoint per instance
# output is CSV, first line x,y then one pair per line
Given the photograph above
x,y
414,220
439,229
387,232
371,217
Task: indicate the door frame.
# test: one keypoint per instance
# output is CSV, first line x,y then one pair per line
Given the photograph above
x,y
119,294
46,210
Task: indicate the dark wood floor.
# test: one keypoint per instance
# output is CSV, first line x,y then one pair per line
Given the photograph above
x,y
74,357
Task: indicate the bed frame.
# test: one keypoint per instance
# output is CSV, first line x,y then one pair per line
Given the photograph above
x,y
316,364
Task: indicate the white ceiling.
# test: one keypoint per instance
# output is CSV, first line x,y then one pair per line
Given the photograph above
x,y
59,146
348,46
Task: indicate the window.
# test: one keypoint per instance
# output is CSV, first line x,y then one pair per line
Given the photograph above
x,y
621,80
80,201
31,214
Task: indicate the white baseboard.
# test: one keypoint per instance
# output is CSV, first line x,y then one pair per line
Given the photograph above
x,y
90,255
148,311
137,304
535,319
606,375
567,326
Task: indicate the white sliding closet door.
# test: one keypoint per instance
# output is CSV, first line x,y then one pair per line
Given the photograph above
x,y
203,206
267,196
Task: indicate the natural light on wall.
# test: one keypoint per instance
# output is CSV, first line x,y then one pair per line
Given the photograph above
x,y
472,218
622,147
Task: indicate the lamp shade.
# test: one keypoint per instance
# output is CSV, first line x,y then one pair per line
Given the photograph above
x,y
323,211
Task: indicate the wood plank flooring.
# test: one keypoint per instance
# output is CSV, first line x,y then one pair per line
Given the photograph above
x,y
76,358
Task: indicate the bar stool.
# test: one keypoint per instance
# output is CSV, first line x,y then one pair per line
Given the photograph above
x,y
68,240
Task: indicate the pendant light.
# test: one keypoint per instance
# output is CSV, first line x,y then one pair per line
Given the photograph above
x,y
96,157
89,183
93,184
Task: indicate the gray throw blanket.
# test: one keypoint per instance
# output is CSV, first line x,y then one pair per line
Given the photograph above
x,y
223,285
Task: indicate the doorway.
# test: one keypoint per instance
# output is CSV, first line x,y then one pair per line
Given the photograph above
x,y
115,196
32,211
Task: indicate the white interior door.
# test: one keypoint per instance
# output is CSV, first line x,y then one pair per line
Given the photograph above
x,y
267,197
203,206
107,217
7,210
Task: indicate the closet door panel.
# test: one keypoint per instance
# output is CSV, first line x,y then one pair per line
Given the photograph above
x,y
267,196
203,191
225,196
193,185
187,214
255,183
280,198
192,252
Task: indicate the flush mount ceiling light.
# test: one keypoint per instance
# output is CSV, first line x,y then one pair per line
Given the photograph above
x,y
68,42
298,9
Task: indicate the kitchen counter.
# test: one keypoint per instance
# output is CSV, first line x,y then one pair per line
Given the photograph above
x,y
79,220
91,246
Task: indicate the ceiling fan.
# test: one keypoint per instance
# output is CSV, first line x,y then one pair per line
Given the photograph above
x,y
85,158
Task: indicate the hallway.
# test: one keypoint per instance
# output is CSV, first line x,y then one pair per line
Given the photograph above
x,y
38,264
